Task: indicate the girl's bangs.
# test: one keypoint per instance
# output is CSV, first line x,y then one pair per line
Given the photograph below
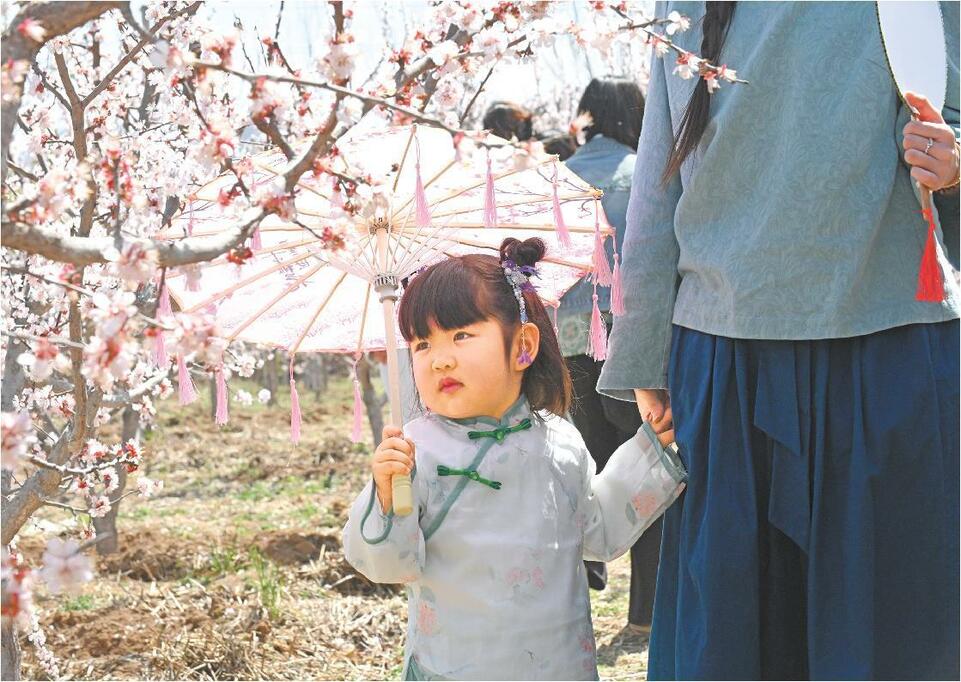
x,y
447,295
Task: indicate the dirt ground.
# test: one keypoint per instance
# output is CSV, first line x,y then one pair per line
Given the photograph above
x,y
235,570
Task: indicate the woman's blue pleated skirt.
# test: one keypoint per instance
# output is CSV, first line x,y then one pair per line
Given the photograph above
x,y
818,535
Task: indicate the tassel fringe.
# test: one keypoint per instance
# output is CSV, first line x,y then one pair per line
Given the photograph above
x,y
563,235
421,209
355,432
602,269
930,281
490,200
617,289
221,414
598,339
255,243
295,416
160,357
186,389
163,301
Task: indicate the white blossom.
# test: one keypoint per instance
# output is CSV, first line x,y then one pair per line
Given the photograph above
x,y
64,566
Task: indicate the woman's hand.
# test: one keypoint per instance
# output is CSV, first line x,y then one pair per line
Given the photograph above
x,y
394,455
655,408
929,146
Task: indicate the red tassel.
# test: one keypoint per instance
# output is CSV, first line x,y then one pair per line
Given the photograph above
x,y
188,393
295,417
355,432
163,302
930,281
421,209
563,236
597,344
617,289
221,414
255,243
490,201
160,356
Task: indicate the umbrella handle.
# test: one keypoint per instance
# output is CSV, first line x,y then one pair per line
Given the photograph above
x,y
400,485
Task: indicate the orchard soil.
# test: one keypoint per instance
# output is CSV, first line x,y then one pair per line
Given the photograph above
x,y
235,570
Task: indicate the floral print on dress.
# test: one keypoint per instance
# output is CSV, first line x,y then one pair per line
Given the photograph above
x,y
426,619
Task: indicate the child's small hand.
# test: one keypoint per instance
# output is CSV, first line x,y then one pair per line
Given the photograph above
x,y
394,455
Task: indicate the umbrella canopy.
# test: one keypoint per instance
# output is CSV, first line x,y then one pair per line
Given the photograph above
x,y
297,294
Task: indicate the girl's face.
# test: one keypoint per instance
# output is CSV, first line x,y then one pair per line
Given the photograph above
x,y
464,372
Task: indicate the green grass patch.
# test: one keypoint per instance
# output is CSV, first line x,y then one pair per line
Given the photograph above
x,y
83,602
269,583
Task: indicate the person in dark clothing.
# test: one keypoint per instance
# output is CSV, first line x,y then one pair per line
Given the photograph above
x,y
606,160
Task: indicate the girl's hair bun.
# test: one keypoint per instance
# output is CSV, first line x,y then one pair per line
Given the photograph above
x,y
527,252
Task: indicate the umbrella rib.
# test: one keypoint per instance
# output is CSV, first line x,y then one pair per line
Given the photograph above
x,y
297,282
496,178
320,308
584,267
363,320
403,158
539,200
249,280
539,227
427,184
223,259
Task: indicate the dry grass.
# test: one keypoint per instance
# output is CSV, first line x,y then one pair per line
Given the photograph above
x,y
236,571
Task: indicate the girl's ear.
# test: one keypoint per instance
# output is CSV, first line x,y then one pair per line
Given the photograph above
x,y
527,345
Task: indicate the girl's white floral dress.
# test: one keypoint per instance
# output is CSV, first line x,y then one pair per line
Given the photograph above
x,y
504,513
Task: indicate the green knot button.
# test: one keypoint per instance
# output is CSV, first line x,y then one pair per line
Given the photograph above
x,y
499,434
469,473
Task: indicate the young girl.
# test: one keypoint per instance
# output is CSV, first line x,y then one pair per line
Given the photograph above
x,y
506,503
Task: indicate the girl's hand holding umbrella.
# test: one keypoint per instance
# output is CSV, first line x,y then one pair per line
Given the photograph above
x,y
394,456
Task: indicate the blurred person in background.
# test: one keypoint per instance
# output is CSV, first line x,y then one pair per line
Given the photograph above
x,y
606,160
509,121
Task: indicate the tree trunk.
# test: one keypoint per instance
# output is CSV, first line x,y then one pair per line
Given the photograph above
x,y
371,400
9,651
107,525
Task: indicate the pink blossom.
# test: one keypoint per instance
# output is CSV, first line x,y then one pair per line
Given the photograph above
x,y
99,506
339,61
32,29
12,74
17,437
64,566
274,198
40,362
492,41
136,264
109,479
443,52
449,92
677,23
263,396
149,487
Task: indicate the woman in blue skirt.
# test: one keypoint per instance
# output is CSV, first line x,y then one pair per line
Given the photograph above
x,y
772,262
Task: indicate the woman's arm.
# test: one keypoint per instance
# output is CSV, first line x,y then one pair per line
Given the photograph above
x,y
640,340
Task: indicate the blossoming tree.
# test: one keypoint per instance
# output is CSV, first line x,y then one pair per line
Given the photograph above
x,y
112,115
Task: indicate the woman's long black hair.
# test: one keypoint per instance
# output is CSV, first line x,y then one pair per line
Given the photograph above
x,y
616,106
717,20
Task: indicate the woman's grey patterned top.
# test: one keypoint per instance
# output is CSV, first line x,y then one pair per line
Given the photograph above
x,y
796,217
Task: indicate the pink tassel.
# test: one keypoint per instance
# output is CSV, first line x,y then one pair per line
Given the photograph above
x,y
598,340
295,416
255,243
160,356
163,303
188,393
490,201
221,414
421,209
190,217
617,289
563,236
355,432
602,269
